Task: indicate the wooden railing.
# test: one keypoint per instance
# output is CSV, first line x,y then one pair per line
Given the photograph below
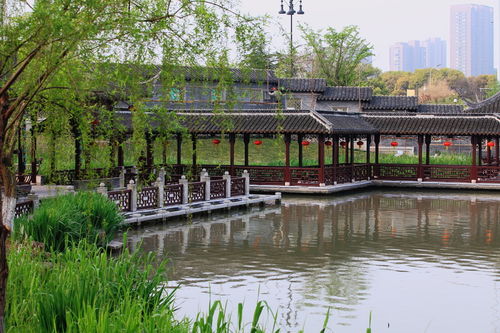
x,y
263,175
304,176
172,195
24,207
237,186
446,173
217,189
488,174
122,198
395,171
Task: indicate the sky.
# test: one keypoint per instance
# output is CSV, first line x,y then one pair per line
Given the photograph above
x,y
381,22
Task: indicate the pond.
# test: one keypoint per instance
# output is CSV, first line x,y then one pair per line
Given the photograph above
x,y
417,261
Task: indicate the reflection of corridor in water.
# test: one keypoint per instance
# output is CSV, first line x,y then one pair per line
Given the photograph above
x,y
316,252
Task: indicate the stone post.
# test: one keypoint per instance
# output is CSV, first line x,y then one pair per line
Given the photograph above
x,y
161,175
227,177
101,189
205,178
133,196
36,200
134,171
246,175
122,177
160,183
185,189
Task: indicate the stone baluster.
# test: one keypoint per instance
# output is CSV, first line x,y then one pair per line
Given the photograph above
x,y
133,196
205,178
36,200
227,177
122,177
185,189
102,189
246,175
160,184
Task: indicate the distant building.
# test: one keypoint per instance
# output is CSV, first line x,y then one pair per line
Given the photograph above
x,y
415,54
407,56
471,39
435,53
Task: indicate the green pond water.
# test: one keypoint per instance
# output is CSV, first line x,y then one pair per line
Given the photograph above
x,y
418,261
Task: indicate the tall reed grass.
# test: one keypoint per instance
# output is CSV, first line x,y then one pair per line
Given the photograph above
x,y
65,220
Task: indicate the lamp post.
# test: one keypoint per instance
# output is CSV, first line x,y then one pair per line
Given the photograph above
x,y
291,11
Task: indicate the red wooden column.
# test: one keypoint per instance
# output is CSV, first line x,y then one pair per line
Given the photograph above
x,y
479,142
346,161
428,149
368,160
300,138
497,151
321,159
474,159
376,171
287,160
335,157
246,141
488,151
193,140
179,149
351,144
420,141
232,141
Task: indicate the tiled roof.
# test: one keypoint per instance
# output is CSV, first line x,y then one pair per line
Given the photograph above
x,y
440,108
303,85
490,105
435,125
363,94
348,124
392,103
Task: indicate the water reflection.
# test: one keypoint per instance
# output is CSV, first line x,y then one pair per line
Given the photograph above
x,y
421,261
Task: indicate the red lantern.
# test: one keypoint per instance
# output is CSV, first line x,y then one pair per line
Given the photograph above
x,y
491,144
305,143
447,143
360,143
343,144
394,144
215,141
257,142
328,143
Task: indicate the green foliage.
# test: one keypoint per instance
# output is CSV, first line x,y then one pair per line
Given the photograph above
x,y
338,55
85,290
66,220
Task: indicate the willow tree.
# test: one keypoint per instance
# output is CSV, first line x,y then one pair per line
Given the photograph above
x,y
337,56
38,41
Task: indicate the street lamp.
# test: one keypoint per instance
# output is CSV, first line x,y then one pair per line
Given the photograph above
x,y
291,11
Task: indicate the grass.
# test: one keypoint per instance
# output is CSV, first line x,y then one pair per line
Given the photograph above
x,y
66,220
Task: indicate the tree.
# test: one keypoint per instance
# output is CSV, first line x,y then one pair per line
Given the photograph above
x,y
56,37
338,55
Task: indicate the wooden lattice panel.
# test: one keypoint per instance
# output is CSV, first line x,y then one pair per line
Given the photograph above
x,y
237,186
264,175
304,176
173,195
490,174
122,199
447,173
197,191
147,198
218,189
343,174
23,208
397,171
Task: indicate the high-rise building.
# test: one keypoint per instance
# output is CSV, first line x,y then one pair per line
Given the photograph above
x,y
416,54
471,39
435,53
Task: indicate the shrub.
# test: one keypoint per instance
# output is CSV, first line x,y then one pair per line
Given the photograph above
x,y
66,220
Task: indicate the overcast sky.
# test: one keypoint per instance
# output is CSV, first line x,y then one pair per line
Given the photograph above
x,y
381,22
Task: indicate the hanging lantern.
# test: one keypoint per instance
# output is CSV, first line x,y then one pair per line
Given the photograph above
x,y
394,144
305,143
257,142
343,144
491,144
328,143
360,143
95,122
447,143
215,141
